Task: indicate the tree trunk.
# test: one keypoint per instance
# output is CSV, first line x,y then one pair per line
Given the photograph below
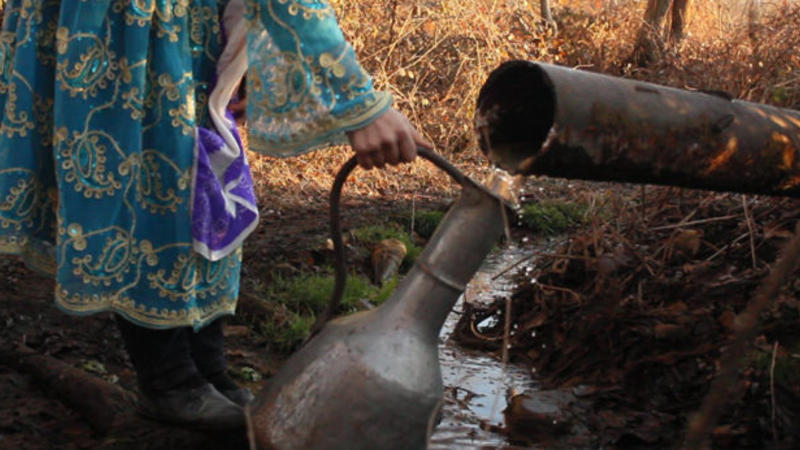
x,y
547,14
656,12
753,21
679,8
649,46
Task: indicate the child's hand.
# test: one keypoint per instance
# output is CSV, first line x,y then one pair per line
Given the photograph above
x,y
389,139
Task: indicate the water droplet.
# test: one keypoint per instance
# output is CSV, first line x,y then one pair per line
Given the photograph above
x,y
489,322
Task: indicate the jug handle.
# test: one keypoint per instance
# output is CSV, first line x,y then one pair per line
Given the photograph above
x,y
336,227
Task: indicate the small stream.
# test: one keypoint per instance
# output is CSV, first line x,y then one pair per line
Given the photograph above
x,y
477,385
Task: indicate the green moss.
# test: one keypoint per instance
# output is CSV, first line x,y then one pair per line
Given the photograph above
x,y
372,234
549,217
426,221
304,297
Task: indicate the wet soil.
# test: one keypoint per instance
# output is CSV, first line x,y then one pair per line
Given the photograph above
x,y
477,384
626,324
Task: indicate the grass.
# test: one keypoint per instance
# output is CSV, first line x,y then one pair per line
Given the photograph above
x,y
308,294
304,296
285,336
426,221
549,218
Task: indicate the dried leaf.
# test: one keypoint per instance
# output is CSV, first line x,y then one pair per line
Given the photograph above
x,y
727,319
668,331
688,242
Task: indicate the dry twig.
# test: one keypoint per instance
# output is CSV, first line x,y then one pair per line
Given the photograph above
x,y
722,387
750,228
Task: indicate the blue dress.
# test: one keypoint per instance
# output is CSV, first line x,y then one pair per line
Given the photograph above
x,y
121,173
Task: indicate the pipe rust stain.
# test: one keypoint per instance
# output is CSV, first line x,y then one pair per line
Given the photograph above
x,y
723,157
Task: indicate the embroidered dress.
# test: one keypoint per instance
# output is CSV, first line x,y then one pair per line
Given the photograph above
x,y
121,172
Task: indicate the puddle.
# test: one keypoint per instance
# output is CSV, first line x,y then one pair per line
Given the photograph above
x,y
476,385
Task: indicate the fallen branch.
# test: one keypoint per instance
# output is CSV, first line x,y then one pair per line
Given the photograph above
x,y
99,401
693,222
751,230
109,409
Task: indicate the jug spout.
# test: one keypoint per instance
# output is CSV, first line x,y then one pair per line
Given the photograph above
x,y
372,379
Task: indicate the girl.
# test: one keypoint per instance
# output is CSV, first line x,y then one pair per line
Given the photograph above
x,y
122,173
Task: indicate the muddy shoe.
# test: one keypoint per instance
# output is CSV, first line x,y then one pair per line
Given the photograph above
x,y
199,407
240,396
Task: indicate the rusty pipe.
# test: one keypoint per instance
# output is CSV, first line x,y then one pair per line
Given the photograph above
x,y
535,118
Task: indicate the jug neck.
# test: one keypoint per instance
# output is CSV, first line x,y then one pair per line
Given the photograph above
x,y
467,233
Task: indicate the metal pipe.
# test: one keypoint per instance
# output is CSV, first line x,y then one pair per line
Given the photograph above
x,y
535,118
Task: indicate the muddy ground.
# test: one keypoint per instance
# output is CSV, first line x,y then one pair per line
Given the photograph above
x,y
628,316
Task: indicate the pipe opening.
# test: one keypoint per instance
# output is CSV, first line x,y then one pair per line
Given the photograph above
x,y
514,114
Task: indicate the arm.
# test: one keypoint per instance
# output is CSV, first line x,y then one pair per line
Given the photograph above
x,y
390,139
306,89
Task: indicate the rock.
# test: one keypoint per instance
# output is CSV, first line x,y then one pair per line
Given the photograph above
x,y
544,414
386,259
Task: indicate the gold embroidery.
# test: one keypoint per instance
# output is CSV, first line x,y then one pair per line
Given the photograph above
x,y
153,317
204,31
150,189
84,160
17,207
93,68
160,14
114,261
187,276
15,123
319,10
183,116
37,255
43,111
138,178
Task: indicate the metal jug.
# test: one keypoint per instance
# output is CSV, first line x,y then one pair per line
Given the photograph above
x,y
372,380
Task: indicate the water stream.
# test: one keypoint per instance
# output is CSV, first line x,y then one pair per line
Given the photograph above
x,y
476,385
